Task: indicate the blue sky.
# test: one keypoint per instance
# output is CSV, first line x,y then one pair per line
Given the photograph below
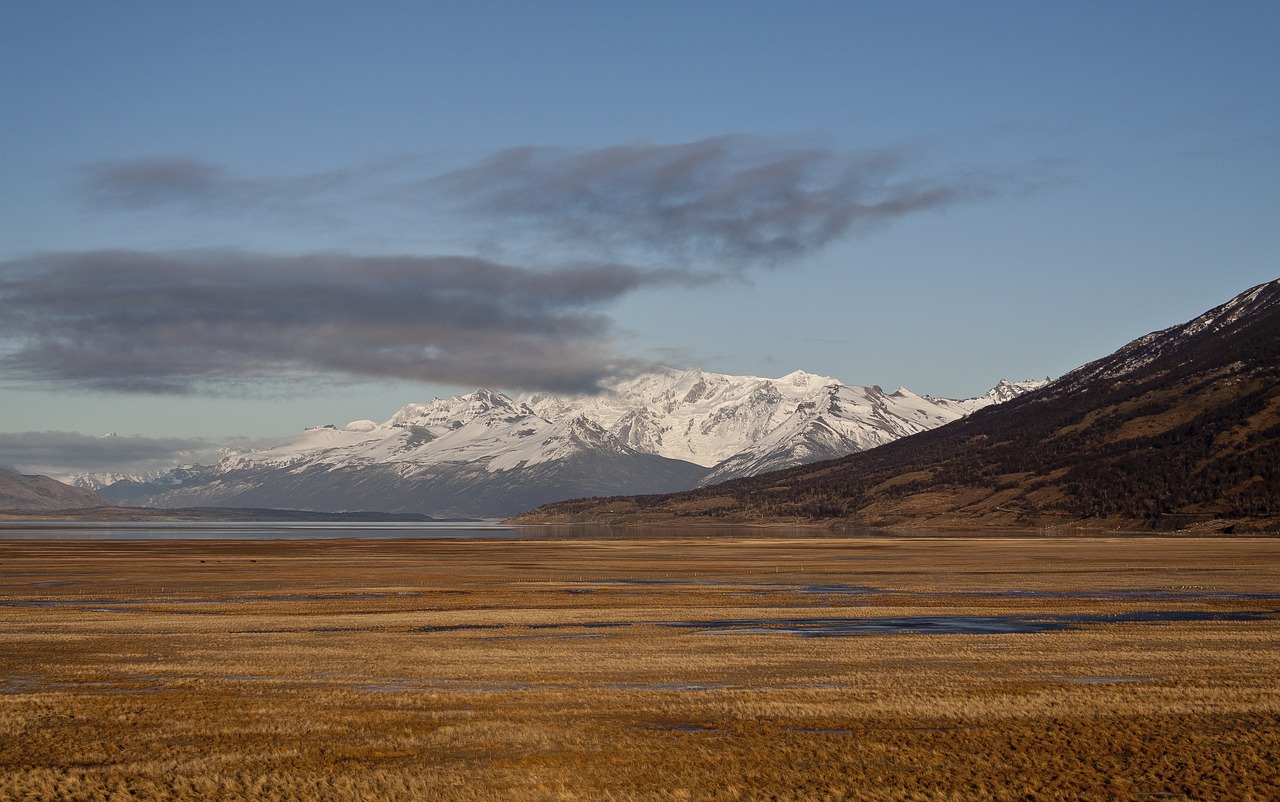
x,y
237,219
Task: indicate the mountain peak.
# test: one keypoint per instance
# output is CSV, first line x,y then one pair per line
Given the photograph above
x,y
1250,303
1248,316
1006,390
801,378
459,410
488,397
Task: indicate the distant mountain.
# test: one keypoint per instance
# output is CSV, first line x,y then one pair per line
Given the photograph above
x,y
1180,428
744,425
481,455
27,493
488,455
100,480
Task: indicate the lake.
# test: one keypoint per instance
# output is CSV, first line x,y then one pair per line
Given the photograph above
x,y
255,530
392,530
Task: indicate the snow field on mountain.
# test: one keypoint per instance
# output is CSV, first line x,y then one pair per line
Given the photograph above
x,y
656,432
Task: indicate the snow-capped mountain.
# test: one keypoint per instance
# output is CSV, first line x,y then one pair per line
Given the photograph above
x,y
1254,303
1003,391
488,455
745,425
478,455
98,480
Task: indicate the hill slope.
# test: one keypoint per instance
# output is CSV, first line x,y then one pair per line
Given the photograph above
x,y
1178,428
42,494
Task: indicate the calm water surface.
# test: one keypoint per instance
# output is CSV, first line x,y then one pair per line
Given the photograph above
x,y
251,530
370,530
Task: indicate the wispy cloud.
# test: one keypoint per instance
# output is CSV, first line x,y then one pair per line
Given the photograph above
x,y
735,198
177,322
199,186
731,201
63,453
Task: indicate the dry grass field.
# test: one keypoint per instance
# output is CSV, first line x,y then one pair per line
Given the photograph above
x,y
726,668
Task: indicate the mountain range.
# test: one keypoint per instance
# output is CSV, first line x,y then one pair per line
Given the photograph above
x,y
1179,429
487,454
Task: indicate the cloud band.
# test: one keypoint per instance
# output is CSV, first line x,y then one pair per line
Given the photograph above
x,y
173,322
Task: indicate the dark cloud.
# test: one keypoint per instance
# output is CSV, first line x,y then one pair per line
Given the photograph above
x,y
176,322
735,200
156,181
62,453
201,186
732,197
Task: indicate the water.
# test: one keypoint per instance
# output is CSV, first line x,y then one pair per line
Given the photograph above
x,y
895,625
258,530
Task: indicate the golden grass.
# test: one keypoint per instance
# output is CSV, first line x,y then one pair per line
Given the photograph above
x,y
483,671
902,479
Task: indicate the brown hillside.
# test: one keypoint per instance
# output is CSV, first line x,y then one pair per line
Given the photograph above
x,y
19,492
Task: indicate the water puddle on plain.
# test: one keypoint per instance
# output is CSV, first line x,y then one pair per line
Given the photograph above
x,y
146,603
1105,680
841,627
668,686
817,731
685,728
951,625
1132,594
749,588
902,625
126,685
434,686
389,688
838,589
457,627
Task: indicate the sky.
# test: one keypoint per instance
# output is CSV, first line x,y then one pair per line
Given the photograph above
x,y
223,222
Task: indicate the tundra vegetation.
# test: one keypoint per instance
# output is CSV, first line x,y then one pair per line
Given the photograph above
x,y
641,668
